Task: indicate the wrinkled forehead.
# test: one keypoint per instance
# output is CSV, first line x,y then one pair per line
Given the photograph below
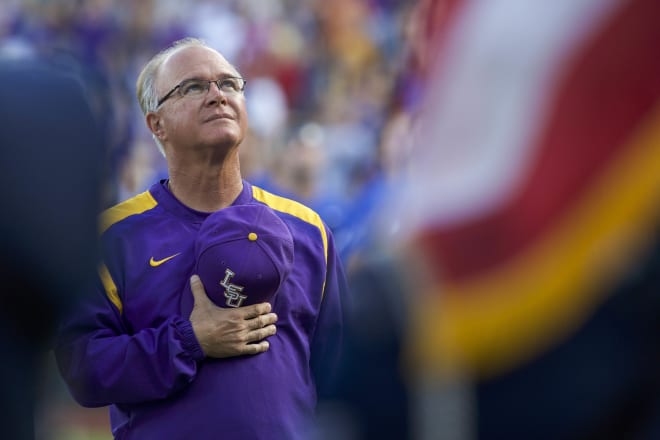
x,y
192,62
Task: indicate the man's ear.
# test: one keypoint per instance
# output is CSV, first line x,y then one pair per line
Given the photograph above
x,y
155,124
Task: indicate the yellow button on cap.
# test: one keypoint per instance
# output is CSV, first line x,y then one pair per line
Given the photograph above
x,y
252,236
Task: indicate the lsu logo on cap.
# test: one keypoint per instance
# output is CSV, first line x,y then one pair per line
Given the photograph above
x,y
232,291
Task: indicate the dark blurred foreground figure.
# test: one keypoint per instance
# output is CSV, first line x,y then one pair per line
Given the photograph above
x,y
50,158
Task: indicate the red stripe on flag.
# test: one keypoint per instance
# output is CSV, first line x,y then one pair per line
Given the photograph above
x,y
610,86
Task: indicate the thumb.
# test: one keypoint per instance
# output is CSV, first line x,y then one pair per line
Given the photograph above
x,y
198,292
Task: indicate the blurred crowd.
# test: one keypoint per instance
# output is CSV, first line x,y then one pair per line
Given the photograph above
x,y
329,87
534,115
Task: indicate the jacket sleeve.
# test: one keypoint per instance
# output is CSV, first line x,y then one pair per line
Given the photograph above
x,y
327,343
103,363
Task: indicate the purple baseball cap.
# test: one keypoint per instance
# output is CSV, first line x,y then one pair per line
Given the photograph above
x,y
243,254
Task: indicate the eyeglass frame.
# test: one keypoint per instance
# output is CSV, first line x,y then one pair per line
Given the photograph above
x,y
169,94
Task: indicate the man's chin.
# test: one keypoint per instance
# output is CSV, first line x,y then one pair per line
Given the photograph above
x,y
225,143
225,138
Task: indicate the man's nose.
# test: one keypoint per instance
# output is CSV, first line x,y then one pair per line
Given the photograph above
x,y
215,93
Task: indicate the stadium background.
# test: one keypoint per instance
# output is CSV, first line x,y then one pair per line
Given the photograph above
x,y
333,91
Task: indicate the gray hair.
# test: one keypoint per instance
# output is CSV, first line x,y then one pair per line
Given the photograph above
x,y
145,86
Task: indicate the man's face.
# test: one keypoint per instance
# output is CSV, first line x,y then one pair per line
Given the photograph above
x,y
213,119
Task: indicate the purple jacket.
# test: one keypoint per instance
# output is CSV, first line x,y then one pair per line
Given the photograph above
x,y
131,346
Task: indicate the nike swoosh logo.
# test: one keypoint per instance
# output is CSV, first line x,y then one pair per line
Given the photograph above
x,y
156,263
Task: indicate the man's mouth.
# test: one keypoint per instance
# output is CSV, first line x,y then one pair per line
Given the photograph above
x,y
218,116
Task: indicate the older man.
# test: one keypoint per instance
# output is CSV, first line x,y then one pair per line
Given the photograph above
x,y
180,357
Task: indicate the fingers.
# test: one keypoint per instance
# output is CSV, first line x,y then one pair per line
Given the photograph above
x,y
261,321
262,333
256,310
257,348
199,294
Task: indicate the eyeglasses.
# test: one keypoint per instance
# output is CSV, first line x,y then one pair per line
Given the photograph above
x,y
198,87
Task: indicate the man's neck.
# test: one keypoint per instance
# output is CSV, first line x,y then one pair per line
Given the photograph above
x,y
206,190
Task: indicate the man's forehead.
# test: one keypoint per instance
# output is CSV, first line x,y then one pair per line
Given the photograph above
x,y
194,61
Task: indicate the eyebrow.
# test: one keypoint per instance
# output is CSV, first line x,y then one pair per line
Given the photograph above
x,y
223,76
